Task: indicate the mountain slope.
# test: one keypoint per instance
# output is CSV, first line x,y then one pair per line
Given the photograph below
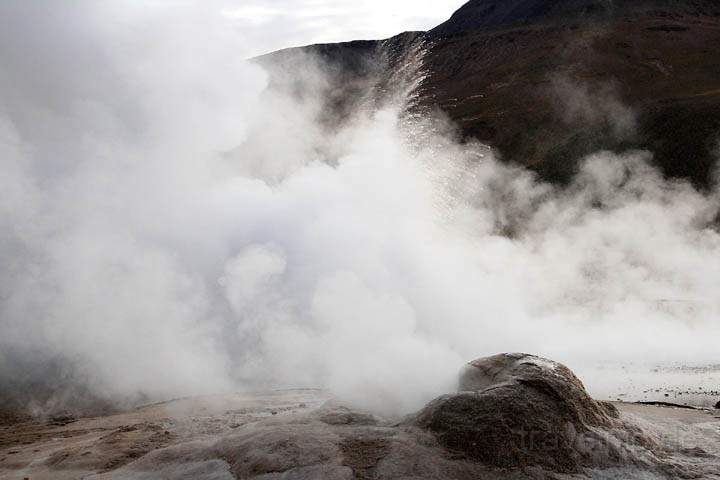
x,y
486,14
546,82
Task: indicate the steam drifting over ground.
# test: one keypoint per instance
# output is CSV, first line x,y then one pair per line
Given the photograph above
x,y
170,226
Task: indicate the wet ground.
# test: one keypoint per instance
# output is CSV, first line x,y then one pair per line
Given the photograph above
x,y
65,448
692,385
174,433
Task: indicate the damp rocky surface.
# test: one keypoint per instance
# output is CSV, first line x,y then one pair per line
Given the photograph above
x,y
513,417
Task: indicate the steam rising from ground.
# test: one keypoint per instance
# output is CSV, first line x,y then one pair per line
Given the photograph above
x,y
171,226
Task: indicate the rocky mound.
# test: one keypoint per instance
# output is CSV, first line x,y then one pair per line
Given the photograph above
x,y
517,410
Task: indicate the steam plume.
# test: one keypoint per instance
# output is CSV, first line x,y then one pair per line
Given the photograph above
x,y
171,226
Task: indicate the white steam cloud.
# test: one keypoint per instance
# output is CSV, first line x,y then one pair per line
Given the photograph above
x,y
170,226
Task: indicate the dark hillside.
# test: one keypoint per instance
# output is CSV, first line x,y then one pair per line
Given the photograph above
x,y
545,82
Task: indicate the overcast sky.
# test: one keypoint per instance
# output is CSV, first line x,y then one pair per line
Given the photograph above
x,y
273,24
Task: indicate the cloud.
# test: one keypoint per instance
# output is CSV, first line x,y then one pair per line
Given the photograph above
x,y
270,26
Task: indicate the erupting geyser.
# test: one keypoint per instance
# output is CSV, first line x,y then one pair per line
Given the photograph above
x,y
337,228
